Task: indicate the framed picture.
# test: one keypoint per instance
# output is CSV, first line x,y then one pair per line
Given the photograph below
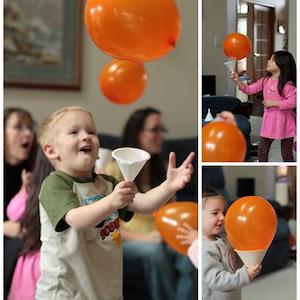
x,y
42,42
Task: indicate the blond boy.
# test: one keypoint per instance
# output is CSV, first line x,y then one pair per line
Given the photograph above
x,y
81,257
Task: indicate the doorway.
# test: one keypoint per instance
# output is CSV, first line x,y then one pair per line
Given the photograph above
x,y
258,23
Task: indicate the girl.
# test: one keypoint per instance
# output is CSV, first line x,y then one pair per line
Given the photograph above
x,y
19,156
27,270
279,92
222,272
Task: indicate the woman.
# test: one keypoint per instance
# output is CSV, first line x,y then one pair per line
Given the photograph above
x,y
143,248
19,154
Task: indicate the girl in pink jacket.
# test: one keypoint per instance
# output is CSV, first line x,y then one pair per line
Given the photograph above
x,y
24,208
279,94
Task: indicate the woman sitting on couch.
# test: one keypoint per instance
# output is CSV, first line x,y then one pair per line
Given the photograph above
x,y
168,275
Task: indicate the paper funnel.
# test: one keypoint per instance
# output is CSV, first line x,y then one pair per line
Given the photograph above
x,y
230,65
130,161
251,258
208,117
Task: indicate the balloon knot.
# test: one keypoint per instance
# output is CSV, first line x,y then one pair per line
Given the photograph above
x,y
172,42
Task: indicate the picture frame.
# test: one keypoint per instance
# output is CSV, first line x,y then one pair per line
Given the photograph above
x,y
42,43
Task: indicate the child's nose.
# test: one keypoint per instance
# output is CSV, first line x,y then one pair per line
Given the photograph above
x,y
85,135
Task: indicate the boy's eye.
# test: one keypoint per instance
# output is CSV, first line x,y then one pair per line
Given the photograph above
x,y
73,132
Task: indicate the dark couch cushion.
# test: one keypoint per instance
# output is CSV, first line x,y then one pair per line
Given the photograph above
x,y
216,104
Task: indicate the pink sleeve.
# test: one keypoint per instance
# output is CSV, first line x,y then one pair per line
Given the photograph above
x,y
193,253
17,205
254,87
289,101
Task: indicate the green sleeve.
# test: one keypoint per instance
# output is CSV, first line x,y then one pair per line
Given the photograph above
x,y
57,198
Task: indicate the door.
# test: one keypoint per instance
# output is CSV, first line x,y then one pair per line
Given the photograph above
x,y
260,29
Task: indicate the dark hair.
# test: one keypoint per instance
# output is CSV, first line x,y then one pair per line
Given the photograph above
x,y
286,63
208,191
130,138
20,111
30,222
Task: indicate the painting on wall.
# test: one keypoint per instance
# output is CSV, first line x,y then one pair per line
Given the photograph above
x,y
42,43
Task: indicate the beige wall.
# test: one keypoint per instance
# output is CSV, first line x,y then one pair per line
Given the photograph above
x,y
172,86
219,19
292,29
264,179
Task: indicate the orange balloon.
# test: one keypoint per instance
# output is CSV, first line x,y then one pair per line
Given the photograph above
x,y
250,224
123,82
173,215
133,30
222,142
236,46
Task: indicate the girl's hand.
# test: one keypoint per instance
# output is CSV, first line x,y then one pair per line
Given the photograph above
x,y
234,76
123,194
26,177
226,116
253,271
188,234
12,229
177,178
270,103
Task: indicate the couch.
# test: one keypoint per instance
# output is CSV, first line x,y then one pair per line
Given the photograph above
x,y
278,253
135,287
216,104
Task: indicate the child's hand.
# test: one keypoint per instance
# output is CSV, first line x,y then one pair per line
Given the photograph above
x,y
26,177
188,234
123,194
227,117
270,103
234,76
253,271
177,178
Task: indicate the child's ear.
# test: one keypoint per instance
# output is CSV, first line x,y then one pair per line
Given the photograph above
x,y
50,151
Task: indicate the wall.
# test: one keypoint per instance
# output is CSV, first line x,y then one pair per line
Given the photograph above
x,y
214,26
264,179
292,29
219,19
172,86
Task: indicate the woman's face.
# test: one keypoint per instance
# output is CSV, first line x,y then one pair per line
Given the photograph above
x,y
18,138
152,136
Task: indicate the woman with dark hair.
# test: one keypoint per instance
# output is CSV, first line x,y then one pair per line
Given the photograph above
x,y
24,208
19,155
168,275
279,92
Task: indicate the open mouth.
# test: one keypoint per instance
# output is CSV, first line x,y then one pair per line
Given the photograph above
x,y
85,149
25,145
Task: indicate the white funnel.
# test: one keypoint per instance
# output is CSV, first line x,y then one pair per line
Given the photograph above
x,y
130,161
251,258
209,116
230,65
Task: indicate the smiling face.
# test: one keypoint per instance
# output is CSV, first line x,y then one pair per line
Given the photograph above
x,y
75,146
18,136
212,216
152,136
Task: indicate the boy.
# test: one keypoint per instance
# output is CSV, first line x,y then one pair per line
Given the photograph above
x,y
81,256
